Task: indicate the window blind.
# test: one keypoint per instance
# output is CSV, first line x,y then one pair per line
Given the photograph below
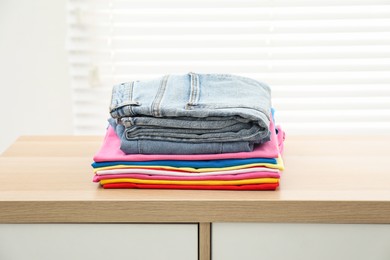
x,y
327,62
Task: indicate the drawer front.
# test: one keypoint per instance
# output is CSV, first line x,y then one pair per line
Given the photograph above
x,y
98,241
300,241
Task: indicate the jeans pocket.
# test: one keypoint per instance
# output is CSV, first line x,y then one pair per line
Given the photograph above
x,y
122,100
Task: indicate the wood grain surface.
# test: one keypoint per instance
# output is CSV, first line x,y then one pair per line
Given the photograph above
x,y
328,179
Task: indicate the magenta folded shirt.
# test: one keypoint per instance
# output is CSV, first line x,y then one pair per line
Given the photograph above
x,y
110,151
243,176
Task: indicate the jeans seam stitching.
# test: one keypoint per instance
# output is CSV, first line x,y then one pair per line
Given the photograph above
x,y
158,98
130,91
194,90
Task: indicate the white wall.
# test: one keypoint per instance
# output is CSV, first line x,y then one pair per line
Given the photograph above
x,y
34,80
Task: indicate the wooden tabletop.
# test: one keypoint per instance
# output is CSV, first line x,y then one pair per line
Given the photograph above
x,y
328,179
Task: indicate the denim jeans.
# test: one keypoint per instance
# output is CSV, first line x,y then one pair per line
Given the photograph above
x,y
147,146
214,112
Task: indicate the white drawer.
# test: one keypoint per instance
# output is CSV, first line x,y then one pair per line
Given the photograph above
x,y
98,241
300,241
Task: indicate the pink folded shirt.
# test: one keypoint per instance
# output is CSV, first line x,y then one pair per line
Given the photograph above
x,y
110,151
183,173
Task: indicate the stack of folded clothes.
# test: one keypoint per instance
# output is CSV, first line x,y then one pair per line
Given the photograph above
x,y
193,131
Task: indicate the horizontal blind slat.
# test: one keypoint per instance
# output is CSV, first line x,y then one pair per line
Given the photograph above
x,y
230,41
239,66
368,115
79,15
314,78
256,53
225,3
332,128
333,104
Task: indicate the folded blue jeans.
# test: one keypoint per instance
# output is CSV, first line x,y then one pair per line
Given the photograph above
x,y
194,108
150,146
